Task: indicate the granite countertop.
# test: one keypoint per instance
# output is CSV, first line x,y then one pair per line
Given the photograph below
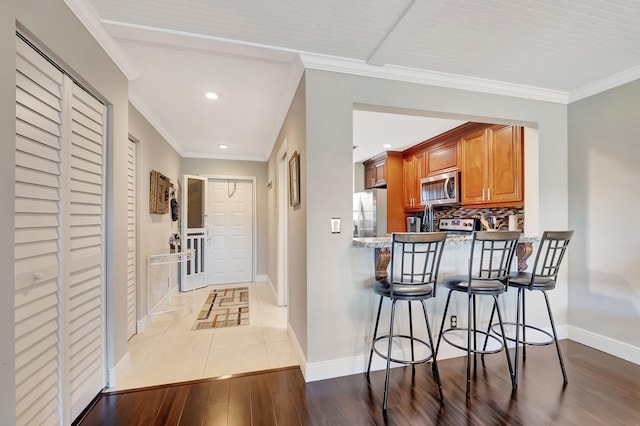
x,y
385,242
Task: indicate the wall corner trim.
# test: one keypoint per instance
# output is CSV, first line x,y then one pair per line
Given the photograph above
x,y
121,368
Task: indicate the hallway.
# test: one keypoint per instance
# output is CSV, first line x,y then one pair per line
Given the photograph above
x,y
168,351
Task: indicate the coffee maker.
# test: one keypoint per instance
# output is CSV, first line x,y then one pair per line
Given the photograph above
x,y
414,224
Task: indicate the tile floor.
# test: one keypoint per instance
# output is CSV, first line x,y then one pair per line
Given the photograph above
x,y
169,351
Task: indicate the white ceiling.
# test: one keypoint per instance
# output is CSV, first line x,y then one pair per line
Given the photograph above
x,y
252,52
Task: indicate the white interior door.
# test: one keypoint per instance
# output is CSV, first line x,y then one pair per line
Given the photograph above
x,y
131,240
229,219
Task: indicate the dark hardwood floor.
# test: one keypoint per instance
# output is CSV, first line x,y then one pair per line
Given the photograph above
x,y
602,390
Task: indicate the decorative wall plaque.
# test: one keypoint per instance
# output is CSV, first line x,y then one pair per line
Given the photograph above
x,y
159,191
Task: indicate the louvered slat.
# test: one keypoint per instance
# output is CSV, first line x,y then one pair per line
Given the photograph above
x,y
38,135
26,220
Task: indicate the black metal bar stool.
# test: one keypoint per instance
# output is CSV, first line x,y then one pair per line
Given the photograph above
x,y
415,260
489,264
543,278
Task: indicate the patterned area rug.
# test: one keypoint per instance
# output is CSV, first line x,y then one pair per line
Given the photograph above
x,y
225,307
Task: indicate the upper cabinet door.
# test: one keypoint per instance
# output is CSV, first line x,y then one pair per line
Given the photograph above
x,y
506,164
474,168
413,168
492,166
442,159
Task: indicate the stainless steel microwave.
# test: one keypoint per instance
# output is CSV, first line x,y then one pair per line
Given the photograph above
x,y
440,189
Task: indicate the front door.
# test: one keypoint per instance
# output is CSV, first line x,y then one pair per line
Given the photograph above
x,y
229,219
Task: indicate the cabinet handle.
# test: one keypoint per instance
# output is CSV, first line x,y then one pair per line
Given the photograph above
x,y
489,194
482,194
38,276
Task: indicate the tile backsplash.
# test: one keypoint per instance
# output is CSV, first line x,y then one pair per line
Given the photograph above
x,y
501,214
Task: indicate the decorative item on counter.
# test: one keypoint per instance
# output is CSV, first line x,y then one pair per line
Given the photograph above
x,y
485,222
513,222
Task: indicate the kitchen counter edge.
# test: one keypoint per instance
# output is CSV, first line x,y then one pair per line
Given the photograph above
x,y
385,242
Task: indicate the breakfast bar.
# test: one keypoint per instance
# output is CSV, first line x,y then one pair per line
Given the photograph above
x,y
382,250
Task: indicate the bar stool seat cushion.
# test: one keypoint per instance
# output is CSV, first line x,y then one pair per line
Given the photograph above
x,y
416,291
461,282
523,279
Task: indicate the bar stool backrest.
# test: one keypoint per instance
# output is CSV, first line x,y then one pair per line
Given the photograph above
x,y
415,258
491,255
553,246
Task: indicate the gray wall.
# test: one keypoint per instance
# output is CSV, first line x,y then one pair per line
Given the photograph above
x,y
154,230
257,169
604,177
59,31
294,132
338,276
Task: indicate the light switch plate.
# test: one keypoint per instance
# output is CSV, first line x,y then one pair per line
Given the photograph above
x,y
335,225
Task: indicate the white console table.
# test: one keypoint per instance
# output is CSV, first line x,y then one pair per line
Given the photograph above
x,y
168,258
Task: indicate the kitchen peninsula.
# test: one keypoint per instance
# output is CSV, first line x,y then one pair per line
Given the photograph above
x,y
382,253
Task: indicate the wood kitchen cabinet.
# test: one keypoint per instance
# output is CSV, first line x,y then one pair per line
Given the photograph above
x,y
413,169
492,166
442,158
385,170
376,170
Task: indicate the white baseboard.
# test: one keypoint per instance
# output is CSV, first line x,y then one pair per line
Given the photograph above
x,y
358,364
273,289
261,278
141,325
297,349
606,344
121,367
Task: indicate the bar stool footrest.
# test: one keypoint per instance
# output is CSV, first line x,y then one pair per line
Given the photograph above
x,y
495,328
404,361
477,351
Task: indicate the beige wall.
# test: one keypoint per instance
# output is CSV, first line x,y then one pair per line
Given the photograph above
x,y
338,307
257,169
7,156
604,177
64,37
294,132
154,230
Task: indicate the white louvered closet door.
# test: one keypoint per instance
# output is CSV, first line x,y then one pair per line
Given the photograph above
x,y
59,243
37,204
131,239
84,252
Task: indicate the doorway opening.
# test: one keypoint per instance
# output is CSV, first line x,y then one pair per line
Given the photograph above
x,y
282,286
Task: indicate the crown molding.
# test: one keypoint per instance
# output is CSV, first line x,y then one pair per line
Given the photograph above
x,y
607,83
434,78
142,108
89,18
209,156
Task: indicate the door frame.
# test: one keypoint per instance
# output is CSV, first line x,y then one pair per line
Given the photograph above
x,y
254,215
282,270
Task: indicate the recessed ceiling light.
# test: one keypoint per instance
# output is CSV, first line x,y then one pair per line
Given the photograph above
x,y
223,146
212,95
387,145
